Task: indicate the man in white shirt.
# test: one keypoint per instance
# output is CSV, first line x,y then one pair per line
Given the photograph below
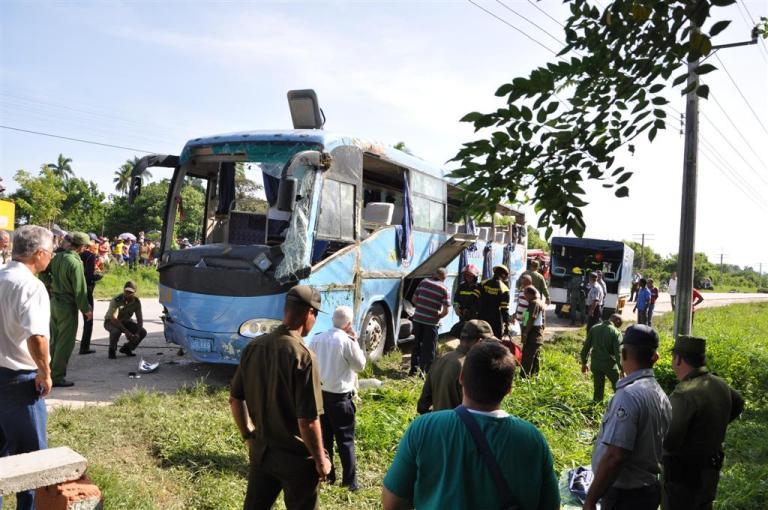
x,y
339,357
594,300
672,288
25,375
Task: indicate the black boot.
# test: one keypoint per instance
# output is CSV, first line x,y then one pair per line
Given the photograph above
x,y
112,354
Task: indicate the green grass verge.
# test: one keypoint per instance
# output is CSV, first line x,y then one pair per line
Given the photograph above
x,y
114,279
151,450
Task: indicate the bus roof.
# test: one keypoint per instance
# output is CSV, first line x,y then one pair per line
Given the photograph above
x,y
583,242
328,140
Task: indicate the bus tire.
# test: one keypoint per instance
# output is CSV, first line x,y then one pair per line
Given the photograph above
x,y
373,334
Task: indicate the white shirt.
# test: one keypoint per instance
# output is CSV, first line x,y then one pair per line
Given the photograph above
x,y
339,358
595,294
672,288
25,310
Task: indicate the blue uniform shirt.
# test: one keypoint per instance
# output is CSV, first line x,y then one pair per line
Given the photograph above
x,y
637,419
643,298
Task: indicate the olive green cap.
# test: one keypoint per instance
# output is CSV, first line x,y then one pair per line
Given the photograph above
x,y
130,286
476,329
305,294
685,344
79,238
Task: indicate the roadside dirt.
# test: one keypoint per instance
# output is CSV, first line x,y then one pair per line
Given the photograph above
x,y
98,380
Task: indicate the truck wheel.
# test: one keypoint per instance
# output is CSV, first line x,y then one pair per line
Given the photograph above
x,y
373,336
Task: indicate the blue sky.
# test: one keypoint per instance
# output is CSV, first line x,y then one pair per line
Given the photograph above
x,y
150,75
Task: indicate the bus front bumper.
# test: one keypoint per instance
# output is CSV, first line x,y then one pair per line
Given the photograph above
x,y
205,346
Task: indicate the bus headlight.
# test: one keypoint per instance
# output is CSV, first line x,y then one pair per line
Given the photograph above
x,y
256,327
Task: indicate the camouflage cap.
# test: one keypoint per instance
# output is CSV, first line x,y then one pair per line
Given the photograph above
x,y
475,329
685,344
79,239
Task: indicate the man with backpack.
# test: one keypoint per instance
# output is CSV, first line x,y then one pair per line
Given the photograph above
x,y
485,472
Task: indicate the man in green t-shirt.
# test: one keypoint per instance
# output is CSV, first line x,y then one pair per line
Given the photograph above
x,y
538,280
604,343
420,477
118,321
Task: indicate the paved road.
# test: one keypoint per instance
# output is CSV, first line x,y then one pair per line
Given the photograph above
x,y
99,380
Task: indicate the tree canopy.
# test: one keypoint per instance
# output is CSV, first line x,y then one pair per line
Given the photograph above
x,y
564,123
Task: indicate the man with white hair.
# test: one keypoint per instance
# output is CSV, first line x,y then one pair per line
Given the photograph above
x,y
25,376
340,358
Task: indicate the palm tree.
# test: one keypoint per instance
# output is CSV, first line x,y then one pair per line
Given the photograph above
x,y
62,168
122,178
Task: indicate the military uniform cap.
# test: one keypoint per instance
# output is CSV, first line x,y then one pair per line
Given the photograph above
x,y
306,295
476,329
79,238
130,286
685,344
641,335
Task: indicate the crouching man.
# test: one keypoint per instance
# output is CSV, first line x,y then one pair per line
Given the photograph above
x,y
118,321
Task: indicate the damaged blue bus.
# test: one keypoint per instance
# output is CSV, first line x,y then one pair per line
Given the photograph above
x,y
361,222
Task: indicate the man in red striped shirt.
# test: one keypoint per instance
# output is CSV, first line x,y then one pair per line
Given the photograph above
x,y
432,303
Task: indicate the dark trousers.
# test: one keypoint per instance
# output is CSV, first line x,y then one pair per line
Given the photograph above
x,y
338,422
642,316
274,470
85,341
23,420
599,377
424,347
594,318
633,292
115,332
649,317
644,498
531,347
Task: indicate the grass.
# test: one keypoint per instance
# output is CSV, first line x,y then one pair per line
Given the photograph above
x,y
150,450
146,279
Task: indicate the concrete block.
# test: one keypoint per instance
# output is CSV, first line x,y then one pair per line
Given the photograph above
x,y
79,494
39,469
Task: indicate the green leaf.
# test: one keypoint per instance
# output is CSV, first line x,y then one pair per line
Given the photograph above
x,y
680,79
659,101
541,116
622,192
471,117
656,88
526,113
505,89
624,178
689,88
704,69
551,107
718,27
652,134
703,91
722,3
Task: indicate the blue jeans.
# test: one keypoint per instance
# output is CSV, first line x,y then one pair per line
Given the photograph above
x,y
424,346
23,421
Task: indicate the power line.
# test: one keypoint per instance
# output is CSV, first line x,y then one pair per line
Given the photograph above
x,y
732,176
739,179
754,113
545,13
510,25
76,139
510,9
744,4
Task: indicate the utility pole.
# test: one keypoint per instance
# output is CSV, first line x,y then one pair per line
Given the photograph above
x,y
685,254
642,246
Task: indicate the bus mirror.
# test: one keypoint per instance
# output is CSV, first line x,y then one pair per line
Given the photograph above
x,y
286,194
135,189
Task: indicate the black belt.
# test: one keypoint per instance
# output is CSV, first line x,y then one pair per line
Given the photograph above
x,y
337,396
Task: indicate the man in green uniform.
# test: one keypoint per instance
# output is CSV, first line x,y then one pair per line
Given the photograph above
x,y
538,280
277,385
702,407
69,294
604,342
493,306
442,389
118,321
576,298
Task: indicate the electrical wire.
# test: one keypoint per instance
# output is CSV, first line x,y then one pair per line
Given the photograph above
x,y
510,9
744,138
510,25
737,179
754,113
535,4
754,23
76,139
716,166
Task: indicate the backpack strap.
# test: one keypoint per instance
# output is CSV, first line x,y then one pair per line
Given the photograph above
x,y
505,493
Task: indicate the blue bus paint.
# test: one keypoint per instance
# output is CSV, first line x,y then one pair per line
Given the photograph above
x,y
363,275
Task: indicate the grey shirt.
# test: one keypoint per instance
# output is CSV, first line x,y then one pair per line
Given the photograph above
x,y
637,420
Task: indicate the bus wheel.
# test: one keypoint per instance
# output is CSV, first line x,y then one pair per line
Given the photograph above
x,y
374,333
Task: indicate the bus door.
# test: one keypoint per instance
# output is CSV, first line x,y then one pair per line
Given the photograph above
x,y
149,161
442,256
